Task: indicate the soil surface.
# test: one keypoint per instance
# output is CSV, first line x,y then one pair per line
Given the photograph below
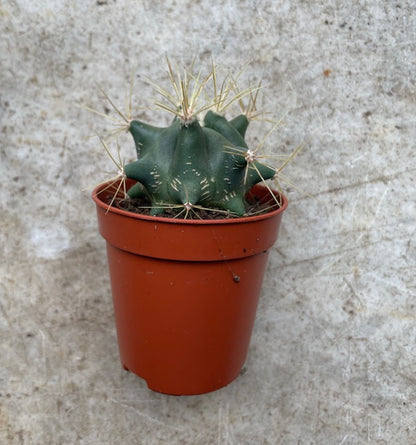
x,y
143,206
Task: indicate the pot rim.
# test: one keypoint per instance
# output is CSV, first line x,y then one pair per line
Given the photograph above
x,y
243,219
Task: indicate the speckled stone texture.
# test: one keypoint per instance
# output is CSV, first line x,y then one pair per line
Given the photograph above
x,y
332,358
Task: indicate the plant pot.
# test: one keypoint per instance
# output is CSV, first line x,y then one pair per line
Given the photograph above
x,y
185,292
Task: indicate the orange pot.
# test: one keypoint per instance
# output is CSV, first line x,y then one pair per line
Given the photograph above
x,y
185,293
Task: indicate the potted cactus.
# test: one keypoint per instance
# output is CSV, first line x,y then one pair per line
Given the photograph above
x,y
188,227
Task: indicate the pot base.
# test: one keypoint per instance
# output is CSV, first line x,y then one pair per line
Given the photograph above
x,y
176,391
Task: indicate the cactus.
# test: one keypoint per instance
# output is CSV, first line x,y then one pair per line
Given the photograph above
x,y
196,161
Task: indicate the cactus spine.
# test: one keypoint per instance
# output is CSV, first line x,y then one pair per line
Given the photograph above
x,y
195,162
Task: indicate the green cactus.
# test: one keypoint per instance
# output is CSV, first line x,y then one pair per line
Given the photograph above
x,y
195,162
191,164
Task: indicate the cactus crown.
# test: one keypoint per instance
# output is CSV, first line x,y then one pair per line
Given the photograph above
x,y
202,158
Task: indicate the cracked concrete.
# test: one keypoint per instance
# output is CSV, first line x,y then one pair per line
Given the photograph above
x,y
332,358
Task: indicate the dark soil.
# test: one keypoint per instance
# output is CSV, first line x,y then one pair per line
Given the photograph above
x,y
143,206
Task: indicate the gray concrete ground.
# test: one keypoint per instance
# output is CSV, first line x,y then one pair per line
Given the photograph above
x,y
332,359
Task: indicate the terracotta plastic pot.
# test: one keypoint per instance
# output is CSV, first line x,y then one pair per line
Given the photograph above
x,y
185,292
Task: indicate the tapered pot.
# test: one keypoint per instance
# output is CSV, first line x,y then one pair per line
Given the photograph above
x,y
185,292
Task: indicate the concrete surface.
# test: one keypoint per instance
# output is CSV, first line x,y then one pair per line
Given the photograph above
x,y
332,359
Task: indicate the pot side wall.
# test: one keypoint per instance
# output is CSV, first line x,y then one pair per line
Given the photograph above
x,y
184,327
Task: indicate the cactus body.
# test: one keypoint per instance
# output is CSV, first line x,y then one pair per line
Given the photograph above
x,y
191,164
